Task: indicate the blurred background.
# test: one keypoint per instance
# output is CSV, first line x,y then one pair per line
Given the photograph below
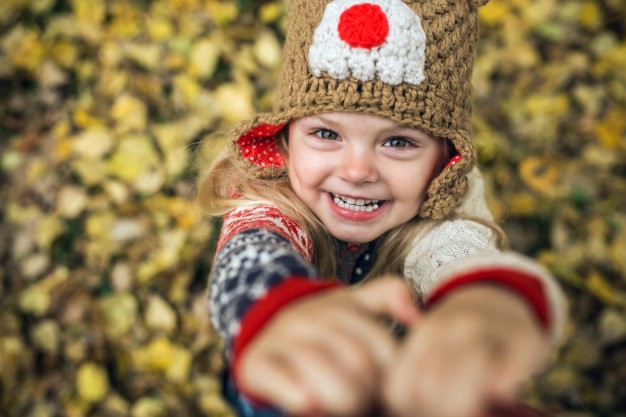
x,y
109,112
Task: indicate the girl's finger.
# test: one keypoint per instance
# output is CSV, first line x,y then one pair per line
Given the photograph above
x,y
285,389
333,392
371,335
388,296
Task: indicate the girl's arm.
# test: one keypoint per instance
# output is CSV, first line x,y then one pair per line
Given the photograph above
x,y
490,320
293,340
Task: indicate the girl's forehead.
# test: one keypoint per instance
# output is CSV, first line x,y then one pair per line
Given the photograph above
x,y
347,117
341,119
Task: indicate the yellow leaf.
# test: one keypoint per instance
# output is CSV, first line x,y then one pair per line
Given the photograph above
x,y
11,160
186,90
41,6
146,55
159,315
46,335
89,12
590,15
99,224
159,28
84,119
34,266
161,355
203,57
180,365
125,230
611,130
62,149
521,204
234,102
19,214
48,229
110,54
120,312
174,61
113,83
90,171
23,48
130,114
64,53
157,356
92,382
71,201
93,143
117,192
184,212
50,76
37,169
148,407
148,85
540,173
89,15
552,105
617,252
267,50
601,288
270,12
170,136
222,13
125,21
115,405
34,300
494,13
612,62
134,156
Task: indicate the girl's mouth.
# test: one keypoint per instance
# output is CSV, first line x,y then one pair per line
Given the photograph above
x,y
356,204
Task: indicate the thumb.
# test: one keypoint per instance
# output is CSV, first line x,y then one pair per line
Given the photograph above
x,y
390,296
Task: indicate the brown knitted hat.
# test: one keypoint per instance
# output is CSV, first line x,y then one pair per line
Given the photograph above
x,y
409,61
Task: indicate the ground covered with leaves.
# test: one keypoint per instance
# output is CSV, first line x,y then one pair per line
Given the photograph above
x,y
109,111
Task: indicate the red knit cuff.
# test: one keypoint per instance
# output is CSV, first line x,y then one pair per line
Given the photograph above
x,y
523,283
264,309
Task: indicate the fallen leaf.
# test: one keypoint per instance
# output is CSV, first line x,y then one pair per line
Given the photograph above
x,y
92,382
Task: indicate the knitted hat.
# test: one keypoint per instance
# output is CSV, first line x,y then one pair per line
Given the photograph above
x,y
409,61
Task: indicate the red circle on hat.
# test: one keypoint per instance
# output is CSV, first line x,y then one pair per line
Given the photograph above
x,y
363,26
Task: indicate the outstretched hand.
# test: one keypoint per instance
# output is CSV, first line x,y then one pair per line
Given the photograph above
x,y
475,348
326,354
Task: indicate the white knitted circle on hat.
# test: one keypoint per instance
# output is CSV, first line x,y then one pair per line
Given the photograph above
x,y
399,59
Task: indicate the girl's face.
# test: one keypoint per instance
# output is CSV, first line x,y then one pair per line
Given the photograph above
x,y
361,175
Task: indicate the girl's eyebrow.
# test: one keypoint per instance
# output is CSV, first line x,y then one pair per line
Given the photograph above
x,y
394,129
322,119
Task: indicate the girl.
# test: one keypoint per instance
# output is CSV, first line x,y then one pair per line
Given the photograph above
x,y
365,169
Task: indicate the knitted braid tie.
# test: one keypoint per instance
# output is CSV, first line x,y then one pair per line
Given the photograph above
x,y
409,61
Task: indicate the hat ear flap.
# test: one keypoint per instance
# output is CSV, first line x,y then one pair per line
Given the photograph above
x,y
260,146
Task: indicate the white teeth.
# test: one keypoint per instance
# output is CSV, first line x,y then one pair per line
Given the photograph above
x,y
356,204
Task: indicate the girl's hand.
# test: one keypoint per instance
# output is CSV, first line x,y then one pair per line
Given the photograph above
x,y
325,354
476,347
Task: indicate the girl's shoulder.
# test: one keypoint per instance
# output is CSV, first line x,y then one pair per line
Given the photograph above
x,y
266,217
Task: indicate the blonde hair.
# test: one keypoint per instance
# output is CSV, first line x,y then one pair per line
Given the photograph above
x,y
226,185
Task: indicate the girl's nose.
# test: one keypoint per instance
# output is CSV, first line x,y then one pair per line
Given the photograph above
x,y
358,167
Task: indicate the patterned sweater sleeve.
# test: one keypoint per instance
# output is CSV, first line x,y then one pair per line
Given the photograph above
x,y
259,249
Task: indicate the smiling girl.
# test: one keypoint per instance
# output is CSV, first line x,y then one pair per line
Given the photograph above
x,y
366,170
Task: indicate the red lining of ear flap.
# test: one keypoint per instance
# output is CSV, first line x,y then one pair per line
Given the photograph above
x,y
454,160
260,146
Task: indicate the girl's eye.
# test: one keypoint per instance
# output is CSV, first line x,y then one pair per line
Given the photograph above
x,y
326,134
398,143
